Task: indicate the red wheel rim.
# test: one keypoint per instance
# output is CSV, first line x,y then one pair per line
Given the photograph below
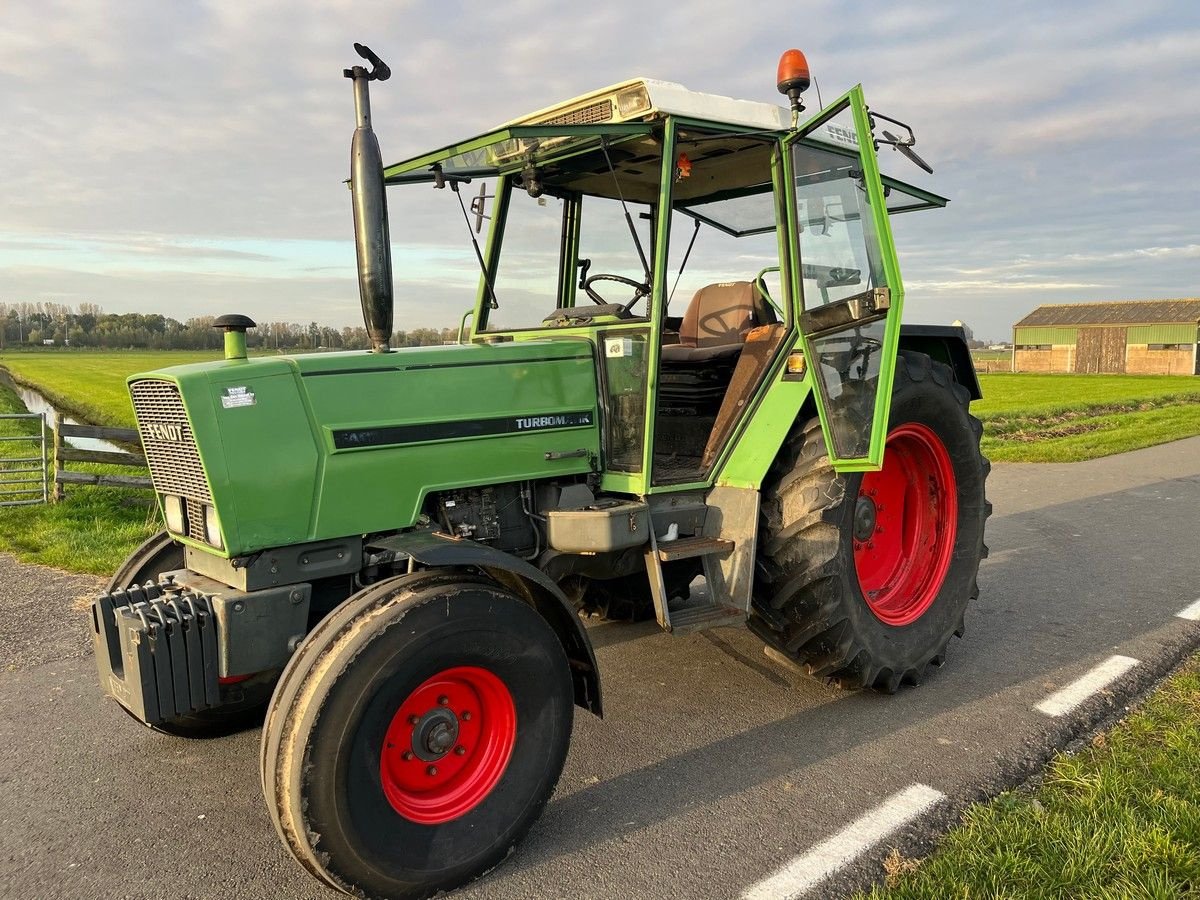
x,y
904,526
447,745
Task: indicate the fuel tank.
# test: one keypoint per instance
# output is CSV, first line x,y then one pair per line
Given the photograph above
x,y
271,451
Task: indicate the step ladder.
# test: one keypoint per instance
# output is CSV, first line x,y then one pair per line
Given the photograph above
x,y
726,551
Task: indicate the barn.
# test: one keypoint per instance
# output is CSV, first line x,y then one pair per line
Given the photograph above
x,y
1137,337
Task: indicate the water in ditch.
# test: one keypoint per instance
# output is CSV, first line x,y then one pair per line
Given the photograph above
x,y
36,403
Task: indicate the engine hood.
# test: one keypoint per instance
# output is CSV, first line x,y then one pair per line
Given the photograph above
x,y
319,446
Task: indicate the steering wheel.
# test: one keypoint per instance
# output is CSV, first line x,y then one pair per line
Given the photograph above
x,y
640,289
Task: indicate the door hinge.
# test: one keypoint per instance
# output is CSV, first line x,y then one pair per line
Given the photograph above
x,y
882,298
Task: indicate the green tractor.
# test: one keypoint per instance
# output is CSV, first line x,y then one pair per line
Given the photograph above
x,y
389,555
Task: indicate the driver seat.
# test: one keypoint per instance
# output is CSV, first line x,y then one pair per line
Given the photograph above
x,y
717,321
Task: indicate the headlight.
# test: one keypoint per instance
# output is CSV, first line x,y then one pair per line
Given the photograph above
x,y
173,511
632,101
212,527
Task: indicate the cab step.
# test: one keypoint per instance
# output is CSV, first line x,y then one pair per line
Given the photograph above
x,y
690,548
693,614
725,546
697,617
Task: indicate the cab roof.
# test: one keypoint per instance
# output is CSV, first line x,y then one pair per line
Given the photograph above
x,y
618,123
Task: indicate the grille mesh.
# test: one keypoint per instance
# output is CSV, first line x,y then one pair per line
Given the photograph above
x,y
600,111
195,520
175,466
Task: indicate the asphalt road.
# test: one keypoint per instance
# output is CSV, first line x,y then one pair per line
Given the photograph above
x,y
715,766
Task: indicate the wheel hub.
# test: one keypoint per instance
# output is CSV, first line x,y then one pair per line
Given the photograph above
x,y
435,734
864,518
448,745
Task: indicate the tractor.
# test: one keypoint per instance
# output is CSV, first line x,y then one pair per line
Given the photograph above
x,y
388,557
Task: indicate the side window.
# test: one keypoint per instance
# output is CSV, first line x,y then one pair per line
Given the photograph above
x,y
526,280
723,229
718,257
838,246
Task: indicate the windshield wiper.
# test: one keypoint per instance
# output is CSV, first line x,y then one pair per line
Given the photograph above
x,y
440,180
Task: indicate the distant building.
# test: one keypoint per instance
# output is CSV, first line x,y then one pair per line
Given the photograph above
x,y
1138,337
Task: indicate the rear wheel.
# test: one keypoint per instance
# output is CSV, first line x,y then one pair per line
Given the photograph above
x,y
243,700
415,739
864,578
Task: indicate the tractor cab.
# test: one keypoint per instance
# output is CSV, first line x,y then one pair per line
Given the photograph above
x,y
705,249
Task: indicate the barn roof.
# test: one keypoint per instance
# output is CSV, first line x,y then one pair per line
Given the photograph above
x,y
1119,312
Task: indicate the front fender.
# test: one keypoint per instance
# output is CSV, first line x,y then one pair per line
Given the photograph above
x,y
529,583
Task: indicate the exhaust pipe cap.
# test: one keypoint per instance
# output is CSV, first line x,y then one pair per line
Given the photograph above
x,y
234,326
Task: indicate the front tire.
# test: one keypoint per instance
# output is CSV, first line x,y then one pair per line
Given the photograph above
x,y
864,578
414,741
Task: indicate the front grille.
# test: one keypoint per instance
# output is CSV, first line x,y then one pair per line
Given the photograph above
x,y
601,111
171,452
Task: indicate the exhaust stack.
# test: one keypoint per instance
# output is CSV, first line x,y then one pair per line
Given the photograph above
x,y
371,238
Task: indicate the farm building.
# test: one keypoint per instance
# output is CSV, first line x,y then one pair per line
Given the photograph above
x,y
1138,337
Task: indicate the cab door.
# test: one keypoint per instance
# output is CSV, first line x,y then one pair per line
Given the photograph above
x,y
851,292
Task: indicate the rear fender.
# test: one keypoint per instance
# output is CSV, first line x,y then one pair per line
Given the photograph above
x,y
527,582
946,344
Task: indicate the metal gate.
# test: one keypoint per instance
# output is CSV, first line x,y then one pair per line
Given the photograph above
x,y
23,479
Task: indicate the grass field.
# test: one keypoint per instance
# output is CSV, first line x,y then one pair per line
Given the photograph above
x,y
1063,418
91,386
92,532
1119,819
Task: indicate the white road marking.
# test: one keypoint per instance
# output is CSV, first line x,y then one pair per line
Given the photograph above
x,y
808,870
1066,699
1191,613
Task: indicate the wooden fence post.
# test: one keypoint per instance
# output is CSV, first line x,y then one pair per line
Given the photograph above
x,y
59,493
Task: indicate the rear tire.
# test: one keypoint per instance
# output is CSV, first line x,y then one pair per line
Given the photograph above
x,y
840,594
376,804
243,703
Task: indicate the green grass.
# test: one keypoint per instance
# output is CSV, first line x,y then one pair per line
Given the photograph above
x,y
1065,418
92,531
91,386
1119,819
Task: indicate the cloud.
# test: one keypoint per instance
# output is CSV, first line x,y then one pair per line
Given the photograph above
x,y
157,150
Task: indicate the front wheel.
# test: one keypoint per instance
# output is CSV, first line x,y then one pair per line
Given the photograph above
x,y
415,740
864,578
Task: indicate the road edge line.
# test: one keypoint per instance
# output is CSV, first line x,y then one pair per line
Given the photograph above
x,y
1079,691
809,869
1191,612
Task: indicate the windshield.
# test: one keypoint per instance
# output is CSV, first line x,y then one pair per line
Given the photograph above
x,y
574,231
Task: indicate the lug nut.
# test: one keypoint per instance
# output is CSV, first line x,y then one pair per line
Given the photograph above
x,y
466,717
460,750
432,770
443,700
413,720
407,756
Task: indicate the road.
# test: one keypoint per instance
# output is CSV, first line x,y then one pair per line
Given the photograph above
x,y
715,768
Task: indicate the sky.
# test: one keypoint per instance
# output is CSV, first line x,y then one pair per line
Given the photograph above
x,y
188,157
